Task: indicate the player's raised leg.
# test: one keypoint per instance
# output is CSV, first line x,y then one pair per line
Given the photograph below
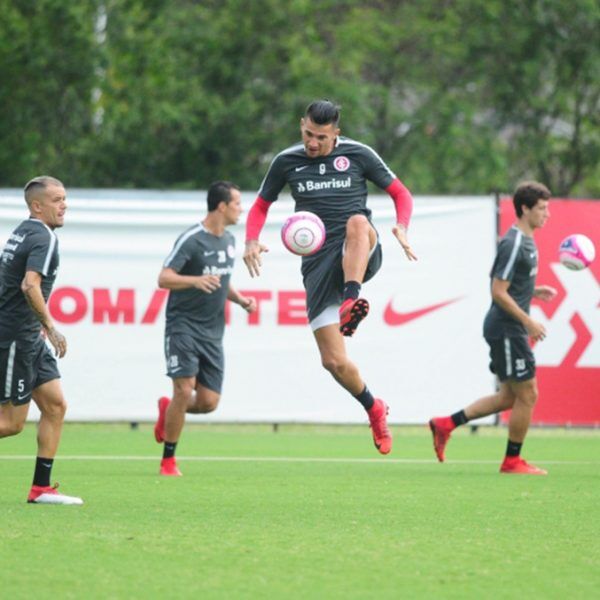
x,y
204,400
360,240
51,402
335,359
442,427
159,426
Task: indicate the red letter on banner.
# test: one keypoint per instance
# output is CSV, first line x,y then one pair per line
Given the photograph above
x,y
156,303
292,308
56,309
103,307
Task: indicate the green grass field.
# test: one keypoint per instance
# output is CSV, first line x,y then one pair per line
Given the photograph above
x,y
308,512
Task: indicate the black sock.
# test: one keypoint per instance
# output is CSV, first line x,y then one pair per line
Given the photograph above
x,y
366,398
169,449
459,418
513,448
43,467
351,290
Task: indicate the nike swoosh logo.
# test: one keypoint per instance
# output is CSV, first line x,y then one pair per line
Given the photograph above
x,y
391,317
19,397
209,253
301,168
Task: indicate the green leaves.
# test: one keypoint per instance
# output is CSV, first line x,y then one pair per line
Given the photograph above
x,y
459,97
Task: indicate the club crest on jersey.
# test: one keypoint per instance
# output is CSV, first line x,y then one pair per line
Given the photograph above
x,y
341,163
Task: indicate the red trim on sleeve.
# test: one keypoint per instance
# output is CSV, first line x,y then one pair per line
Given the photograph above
x,y
403,201
256,218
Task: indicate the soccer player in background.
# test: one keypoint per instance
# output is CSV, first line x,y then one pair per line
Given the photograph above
x,y
197,273
327,175
507,328
28,369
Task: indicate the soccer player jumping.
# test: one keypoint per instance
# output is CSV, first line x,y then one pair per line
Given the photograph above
x,y
327,175
506,329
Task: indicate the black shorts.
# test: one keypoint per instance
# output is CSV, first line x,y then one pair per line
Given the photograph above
x,y
188,356
24,367
323,276
512,358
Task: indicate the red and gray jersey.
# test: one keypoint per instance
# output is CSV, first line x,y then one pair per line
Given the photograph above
x,y
334,187
192,311
517,262
32,246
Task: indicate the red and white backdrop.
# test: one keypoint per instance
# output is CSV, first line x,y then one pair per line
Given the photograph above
x,y
420,348
568,360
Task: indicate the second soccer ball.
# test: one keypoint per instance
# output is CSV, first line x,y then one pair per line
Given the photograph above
x,y
576,252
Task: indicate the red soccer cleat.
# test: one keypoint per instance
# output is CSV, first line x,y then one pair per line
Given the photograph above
x,y
159,428
382,438
168,466
48,495
352,312
517,466
441,435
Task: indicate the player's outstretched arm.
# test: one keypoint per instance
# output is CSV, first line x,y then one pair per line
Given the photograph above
x,y
31,286
403,203
254,224
252,258
399,232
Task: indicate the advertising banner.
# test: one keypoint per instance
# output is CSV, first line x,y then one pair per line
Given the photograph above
x,y
568,360
420,349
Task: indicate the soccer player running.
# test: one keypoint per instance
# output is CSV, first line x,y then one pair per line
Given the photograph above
x,y
28,369
327,175
198,271
507,327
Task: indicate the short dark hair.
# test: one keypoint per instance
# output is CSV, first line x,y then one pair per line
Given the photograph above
x,y
219,191
33,186
527,194
323,112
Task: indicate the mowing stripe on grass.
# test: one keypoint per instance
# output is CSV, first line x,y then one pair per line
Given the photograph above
x,y
291,459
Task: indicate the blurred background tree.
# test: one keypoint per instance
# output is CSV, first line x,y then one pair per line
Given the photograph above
x,y
459,96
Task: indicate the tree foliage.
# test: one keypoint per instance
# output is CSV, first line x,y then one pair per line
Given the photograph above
x,y
459,96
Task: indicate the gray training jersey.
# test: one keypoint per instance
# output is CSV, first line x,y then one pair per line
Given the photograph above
x,y
334,187
32,246
516,261
192,311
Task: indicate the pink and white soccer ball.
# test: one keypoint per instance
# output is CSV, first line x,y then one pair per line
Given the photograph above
x,y
576,252
303,233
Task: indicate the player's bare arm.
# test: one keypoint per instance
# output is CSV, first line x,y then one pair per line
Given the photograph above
x,y
32,290
401,235
169,279
545,292
252,258
247,303
503,299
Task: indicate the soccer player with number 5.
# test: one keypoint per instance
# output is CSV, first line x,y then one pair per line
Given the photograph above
x,y
28,369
